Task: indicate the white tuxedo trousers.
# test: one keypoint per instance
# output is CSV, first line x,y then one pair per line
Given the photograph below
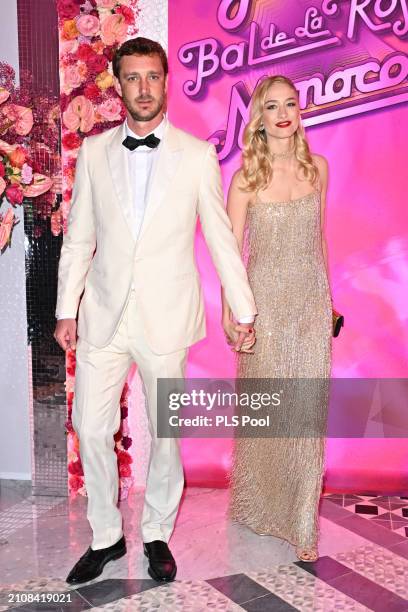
x,y
100,376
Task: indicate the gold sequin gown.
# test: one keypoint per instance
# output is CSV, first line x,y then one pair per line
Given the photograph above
x,y
276,482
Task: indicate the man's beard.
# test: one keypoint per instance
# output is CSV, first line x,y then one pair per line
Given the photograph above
x,y
151,115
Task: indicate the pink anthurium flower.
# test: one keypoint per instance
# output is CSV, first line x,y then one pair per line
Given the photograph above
x,y
6,225
79,115
20,117
40,185
6,148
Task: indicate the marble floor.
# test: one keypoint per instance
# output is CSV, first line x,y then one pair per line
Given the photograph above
x,y
363,561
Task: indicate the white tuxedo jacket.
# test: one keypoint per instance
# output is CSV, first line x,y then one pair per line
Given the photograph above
x,y
101,258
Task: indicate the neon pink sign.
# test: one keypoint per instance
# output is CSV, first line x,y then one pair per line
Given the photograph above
x,y
334,28
366,217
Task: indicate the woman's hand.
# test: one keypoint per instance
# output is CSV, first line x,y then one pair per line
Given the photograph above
x,y
231,331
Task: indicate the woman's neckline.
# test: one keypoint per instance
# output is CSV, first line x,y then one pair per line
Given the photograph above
x,y
259,201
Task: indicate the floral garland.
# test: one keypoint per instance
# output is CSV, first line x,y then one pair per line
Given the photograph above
x,y
89,33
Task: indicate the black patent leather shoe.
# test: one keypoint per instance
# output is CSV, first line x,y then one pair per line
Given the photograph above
x,y
91,564
162,566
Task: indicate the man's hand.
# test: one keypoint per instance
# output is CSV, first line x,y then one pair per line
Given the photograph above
x,y
231,335
246,337
65,333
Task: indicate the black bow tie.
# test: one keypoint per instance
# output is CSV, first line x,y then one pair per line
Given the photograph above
x,y
150,141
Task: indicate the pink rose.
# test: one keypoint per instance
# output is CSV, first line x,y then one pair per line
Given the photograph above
x,y
79,115
6,225
124,458
40,185
110,109
3,185
67,46
106,4
20,116
125,470
127,13
72,78
75,467
97,63
26,174
71,140
88,25
75,483
67,9
14,194
113,29
84,52
92,92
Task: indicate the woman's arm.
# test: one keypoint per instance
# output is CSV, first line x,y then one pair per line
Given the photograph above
x,y
322,165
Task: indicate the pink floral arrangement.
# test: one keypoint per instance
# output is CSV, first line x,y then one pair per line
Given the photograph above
x,y
18,180
89,33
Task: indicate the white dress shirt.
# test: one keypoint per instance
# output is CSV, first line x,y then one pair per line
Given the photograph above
x,y
140,168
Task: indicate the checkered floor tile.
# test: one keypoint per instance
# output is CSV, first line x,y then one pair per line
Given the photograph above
x,y
389,512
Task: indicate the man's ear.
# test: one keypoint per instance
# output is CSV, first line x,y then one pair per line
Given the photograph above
x,y
117,86
166,80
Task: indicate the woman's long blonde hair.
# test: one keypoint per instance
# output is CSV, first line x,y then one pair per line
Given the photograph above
x,y
257,166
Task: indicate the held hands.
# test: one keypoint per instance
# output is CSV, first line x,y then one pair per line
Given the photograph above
x,y
240,335
65,333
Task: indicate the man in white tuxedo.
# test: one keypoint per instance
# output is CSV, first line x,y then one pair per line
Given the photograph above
x,y
129,250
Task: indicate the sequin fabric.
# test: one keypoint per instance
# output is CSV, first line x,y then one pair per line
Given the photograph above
x,y
276,481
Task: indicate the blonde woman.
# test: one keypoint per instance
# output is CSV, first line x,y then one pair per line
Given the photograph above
x,y
279,194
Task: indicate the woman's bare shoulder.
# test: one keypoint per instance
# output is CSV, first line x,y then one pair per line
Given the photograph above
x,y
237,179
238,190
320,161
323,168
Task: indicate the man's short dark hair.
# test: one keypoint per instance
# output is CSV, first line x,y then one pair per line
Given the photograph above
x,y
139,46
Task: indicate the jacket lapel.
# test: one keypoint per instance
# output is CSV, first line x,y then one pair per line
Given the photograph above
x,y
119,169
163,171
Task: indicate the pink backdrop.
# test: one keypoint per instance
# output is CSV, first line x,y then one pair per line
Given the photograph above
x,y
363,136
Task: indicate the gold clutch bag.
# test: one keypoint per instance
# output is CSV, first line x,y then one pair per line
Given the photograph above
x,y
338,322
